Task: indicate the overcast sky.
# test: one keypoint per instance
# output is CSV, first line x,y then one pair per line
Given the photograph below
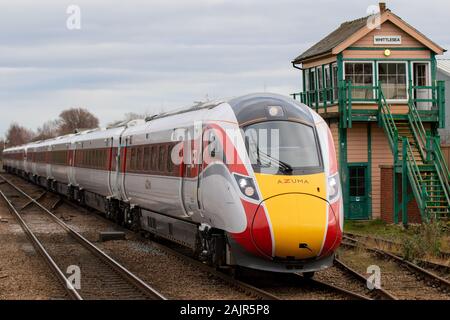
x,y
150,55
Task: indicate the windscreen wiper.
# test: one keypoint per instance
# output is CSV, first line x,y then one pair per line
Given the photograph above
x,y
285,167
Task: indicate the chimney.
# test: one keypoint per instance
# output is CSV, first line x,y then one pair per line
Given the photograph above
x,y
382,7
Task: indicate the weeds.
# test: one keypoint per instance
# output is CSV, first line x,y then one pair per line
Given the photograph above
x,y
425,241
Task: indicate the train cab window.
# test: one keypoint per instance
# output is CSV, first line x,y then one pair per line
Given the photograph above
x,y
286,146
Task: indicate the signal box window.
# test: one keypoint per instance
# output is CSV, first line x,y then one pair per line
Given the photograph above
x,y
360,74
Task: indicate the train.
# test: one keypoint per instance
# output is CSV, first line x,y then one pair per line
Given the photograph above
x,y
251,181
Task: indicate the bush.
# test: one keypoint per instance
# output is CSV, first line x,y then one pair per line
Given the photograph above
x,y
425,241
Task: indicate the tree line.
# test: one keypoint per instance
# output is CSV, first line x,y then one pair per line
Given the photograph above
x,y
69,121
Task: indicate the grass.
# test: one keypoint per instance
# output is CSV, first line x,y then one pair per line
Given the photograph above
x,y
418,241
377,228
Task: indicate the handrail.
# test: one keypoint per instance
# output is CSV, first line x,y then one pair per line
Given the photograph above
x,y
418,129
317,99
415,177
408,159
388,123
441,168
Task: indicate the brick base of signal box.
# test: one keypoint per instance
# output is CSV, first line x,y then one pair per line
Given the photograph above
x,y
387,198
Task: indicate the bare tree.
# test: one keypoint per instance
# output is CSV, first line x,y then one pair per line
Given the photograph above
x,y
2,147
17,135
48,130
76,118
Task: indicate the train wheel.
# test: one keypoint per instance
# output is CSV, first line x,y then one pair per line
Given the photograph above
x,y
308,275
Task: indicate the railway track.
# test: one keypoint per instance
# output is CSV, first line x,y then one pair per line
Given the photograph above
x,y
402,279
66,251
279,287
285,287
341,272
440,269
391,245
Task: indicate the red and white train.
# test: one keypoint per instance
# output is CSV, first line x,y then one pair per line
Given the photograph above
x,y
206,177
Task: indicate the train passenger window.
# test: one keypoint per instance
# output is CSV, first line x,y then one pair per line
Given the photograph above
x,y
139,158
162,162
96,158
169,159
147,158
154,158
133,159
105,159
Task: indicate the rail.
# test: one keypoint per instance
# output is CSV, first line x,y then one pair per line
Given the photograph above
x,y
345,94
441,167
388,123
415,177
114,265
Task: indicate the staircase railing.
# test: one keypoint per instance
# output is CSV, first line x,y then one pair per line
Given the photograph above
x,y
441,167
430,149
387,121
420,135
418,185
408,160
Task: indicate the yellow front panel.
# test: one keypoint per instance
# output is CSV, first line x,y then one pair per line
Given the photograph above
x,y
297,212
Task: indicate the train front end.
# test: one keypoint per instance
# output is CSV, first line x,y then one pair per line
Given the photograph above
x,y
295,214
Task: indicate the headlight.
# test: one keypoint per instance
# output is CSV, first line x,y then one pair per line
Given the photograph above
x,y
333,187
247,186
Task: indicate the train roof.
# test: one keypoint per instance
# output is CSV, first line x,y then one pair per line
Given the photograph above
x,y
246,108
256,106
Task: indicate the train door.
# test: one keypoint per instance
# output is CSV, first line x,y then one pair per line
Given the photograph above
x,y
70,162
114,173
111,165
192,162
73,163
358,193
48,166
122,165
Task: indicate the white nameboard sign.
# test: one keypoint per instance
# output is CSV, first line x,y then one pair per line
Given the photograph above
x,y
387,39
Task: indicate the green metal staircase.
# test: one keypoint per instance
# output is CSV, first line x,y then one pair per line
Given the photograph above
x,y
419,158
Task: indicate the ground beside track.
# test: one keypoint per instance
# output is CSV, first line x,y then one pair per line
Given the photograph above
x,y
174,278
23,273
422,244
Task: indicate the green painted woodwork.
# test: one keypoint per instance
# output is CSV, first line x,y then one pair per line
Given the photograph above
x,y
359,205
